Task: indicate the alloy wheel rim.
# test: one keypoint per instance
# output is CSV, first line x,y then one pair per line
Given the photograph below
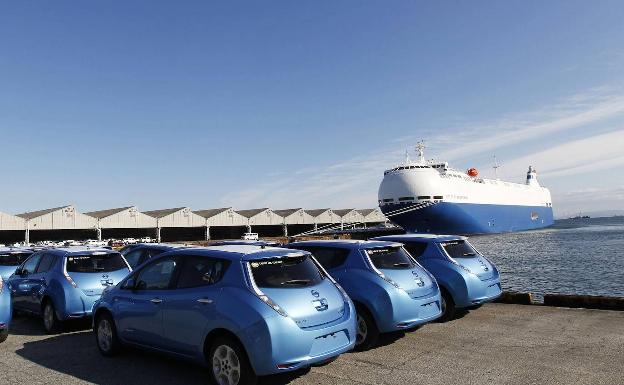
x,y
48,317
105,335
226,366
362,330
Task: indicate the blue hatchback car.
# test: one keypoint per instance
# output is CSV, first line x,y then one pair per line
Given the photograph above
x,y
466,277
137,254
11,258
391,291
62,284
6,310
245,311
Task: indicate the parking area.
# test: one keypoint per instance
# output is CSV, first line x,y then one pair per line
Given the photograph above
x,y
498,343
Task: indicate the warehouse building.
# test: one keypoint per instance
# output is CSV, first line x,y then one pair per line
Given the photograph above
x,y
177,224
12,228
58,223
124,222
223,223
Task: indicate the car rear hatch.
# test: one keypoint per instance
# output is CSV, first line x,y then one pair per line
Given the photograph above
x,y
10,260
399,267
93,272
297,286
462,252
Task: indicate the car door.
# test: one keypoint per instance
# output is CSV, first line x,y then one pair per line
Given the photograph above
x,y
21,284
191,308
139,305
38,282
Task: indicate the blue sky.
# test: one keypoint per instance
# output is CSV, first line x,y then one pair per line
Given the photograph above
x,y
303,104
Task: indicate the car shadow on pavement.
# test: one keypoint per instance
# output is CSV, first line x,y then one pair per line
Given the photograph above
x,y
24,325
76,355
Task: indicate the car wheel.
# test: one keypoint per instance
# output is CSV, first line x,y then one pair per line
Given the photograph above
x,y
448,307
366,329
51,323
106,335
3,336
229,364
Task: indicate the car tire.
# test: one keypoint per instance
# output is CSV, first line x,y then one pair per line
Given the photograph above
x,y
51,323
448,307
106,337
228,363
367,333
4,335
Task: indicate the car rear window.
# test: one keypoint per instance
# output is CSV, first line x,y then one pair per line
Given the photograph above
x,y
459,249
394,258
95,263
286,272
13,259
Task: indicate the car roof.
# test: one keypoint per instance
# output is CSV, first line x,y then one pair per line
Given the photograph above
x,y
80,250
345,243
16,250
158,245
240,252
422,237
245,242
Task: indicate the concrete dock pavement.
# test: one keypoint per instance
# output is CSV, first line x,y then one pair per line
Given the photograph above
x,y
495,344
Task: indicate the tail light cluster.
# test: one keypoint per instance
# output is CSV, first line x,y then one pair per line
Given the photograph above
x,y
260,294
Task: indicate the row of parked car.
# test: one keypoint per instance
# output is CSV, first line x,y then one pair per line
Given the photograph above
x,y
248,308
88,242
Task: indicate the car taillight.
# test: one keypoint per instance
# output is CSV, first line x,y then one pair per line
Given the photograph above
x,y
1,285
263,297
387,279
71,281
464,268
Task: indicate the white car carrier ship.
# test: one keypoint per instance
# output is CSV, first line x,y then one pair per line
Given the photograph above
x,y
428,196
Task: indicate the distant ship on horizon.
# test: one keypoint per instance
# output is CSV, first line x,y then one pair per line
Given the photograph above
x,y
428,196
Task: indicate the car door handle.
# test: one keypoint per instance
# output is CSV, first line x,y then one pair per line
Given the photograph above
x,y
205,301
156,300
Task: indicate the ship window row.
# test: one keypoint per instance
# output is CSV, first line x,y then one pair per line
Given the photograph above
x,y
411,199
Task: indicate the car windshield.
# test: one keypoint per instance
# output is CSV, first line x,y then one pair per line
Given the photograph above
x,y
395,258
13,259
459,249
95,263
286,272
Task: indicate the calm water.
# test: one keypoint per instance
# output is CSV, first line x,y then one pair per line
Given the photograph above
x,y
573,257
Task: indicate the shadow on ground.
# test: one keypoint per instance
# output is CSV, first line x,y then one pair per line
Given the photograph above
x,y
76,354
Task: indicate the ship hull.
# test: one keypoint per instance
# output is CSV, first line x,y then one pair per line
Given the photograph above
x,y
470,218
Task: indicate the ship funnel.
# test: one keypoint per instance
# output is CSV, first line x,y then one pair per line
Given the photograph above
x,y
531,179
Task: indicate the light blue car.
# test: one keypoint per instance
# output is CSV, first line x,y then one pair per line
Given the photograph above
x,y
466,277
63,284
11,258
6,310
244,311
391,291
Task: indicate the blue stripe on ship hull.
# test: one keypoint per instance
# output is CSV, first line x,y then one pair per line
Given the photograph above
x,y
470,218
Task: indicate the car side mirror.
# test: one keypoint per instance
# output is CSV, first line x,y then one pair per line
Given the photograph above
x,y
130,284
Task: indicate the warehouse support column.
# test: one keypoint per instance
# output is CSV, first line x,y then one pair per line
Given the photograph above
x,y
207,233
158,240
341,224
98,233
27,235
315,226
285,227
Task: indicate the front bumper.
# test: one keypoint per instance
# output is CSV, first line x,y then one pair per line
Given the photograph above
x,y
406,312
277,344
486,291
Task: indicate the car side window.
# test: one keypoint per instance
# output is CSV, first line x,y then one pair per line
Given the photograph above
x,y
134,258
416,249
329,258
158,275
31,263
46,263
201,271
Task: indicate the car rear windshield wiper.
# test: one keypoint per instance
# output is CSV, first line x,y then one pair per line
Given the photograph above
x,y
296,282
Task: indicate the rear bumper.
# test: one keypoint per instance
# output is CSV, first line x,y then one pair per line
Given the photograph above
x,y
278,345
77,305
